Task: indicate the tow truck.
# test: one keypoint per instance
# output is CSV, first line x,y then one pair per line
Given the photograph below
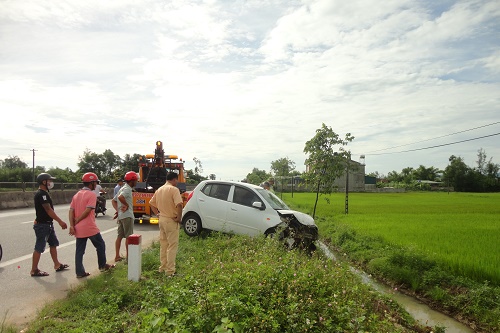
x,y
153,169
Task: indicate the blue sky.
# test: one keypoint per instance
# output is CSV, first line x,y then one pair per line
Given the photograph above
x,y
238,84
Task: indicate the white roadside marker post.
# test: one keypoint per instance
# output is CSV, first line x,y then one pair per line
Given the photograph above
x,y
134,257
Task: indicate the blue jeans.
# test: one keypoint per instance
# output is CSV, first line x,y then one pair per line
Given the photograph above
x,y
81,244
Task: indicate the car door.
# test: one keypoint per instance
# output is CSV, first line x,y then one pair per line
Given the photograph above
x,y
242,217
212,203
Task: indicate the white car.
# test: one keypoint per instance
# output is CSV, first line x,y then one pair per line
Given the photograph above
x,y
242,208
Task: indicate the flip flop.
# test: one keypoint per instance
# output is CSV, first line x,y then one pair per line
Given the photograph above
x,y
119,259
62,267
39,273
83,276
107,267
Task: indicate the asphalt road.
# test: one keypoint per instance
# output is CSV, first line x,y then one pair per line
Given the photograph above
x,y
21,296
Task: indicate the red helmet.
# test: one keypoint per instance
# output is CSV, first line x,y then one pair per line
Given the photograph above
x,y
131,175
89,177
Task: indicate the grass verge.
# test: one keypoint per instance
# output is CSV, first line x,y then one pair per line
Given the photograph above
x,y
228,284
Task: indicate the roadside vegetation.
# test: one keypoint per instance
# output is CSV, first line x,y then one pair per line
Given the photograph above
x,y
228,284
442,248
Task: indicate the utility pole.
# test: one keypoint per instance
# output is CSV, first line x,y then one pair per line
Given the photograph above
x,y
33,170
347,189
347,184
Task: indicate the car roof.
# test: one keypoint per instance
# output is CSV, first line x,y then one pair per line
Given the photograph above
x,y
230,182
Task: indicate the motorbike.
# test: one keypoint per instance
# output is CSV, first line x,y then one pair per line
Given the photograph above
x,y
99,206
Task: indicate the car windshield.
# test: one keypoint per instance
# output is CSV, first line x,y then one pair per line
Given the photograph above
x,y
272,199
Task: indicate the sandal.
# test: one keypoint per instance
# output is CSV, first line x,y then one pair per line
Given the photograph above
x,y
39,273
107,267
119,259
82,276
62,267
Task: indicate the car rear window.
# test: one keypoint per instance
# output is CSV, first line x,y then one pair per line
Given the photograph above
x,y
218,191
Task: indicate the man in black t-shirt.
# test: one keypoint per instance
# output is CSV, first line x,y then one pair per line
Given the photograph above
x,y
44,227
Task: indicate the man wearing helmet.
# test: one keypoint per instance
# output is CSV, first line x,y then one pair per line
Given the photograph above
x,y
44,227
83,226
123,204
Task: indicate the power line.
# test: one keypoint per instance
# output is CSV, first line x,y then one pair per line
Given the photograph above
x,y
439,137
436,146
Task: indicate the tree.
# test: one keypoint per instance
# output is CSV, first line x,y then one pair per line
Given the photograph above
x,y
128,163
455,173
423,173
194,178
212,176
112,162
257,176
64,175
394,176
324,163
282,167
198,168
104,165
375,174
407,175
13,162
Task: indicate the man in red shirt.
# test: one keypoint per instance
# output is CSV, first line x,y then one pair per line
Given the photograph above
x,y
83,226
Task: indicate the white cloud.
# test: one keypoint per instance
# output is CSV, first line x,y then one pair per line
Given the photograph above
x,y
239,84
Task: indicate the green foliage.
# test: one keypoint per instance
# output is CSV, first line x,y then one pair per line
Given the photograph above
x,y
64,175
282,166
327,160
104,165
194,178
257,176
13,162
436,245
228,284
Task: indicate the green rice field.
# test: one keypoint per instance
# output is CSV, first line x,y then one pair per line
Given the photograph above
x,y
459,230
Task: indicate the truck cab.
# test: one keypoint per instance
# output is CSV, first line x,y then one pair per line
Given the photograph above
x,y
153,169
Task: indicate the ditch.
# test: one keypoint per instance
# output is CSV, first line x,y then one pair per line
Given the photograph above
x,y
419,311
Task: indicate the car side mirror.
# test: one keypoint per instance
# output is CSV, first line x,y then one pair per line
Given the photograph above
x,y
258,205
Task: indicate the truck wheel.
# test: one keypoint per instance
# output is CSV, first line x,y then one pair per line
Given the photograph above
x,y
192,225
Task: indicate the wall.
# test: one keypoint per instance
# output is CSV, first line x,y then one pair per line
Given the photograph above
x,y
9,200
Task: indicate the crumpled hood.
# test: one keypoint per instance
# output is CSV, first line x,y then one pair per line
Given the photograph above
x,y
301,217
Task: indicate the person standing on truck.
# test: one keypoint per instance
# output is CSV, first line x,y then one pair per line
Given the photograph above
x,y
44,226
167,203
83,226
123,204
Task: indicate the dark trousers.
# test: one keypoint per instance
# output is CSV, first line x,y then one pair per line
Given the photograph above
x,y
81,245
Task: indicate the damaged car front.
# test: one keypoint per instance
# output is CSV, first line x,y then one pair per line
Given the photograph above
x,y
296,229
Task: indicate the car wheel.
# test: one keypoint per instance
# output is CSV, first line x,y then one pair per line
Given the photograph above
x,y
270,232
192,225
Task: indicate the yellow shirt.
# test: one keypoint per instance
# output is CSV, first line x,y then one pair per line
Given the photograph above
x,y
165,199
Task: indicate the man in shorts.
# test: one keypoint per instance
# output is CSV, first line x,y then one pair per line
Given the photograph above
x,y
44,226
122,203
